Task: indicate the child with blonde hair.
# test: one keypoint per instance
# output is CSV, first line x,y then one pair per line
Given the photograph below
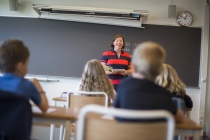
x,y
170,80
95,79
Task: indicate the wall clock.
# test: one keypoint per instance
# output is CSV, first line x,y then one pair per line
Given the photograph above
x,y
184,18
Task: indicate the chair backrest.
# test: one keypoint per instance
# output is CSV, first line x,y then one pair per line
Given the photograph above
x,y
83,98
90,128
15,117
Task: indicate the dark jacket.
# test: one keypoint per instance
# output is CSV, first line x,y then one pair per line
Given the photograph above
x,y
15,117
187,100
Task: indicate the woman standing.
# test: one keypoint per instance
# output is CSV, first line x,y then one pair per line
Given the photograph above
x,y
118,59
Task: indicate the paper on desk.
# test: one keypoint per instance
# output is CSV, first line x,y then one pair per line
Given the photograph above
x,y
35,109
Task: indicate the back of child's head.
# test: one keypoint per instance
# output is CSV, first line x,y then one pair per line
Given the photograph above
x,y
169,79
148,58
12,51
94,78
93,69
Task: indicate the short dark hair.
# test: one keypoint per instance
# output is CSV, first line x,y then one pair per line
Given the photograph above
x,y
118,36
12,51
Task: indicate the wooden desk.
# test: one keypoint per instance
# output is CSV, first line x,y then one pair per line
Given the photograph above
x,y
64,116
61,116
59,99
188,128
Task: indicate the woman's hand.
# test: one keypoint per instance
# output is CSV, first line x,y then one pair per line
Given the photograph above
x,y
113,72
125,72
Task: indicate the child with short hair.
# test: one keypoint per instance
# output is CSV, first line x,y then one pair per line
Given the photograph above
x,y
139,92
14,59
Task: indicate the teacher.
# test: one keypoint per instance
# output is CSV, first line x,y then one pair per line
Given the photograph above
x,y
118,59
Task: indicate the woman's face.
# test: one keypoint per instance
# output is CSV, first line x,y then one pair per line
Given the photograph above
x,y
118,43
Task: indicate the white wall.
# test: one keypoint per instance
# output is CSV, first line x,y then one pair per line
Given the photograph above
x,y
158,9
54,89
158,14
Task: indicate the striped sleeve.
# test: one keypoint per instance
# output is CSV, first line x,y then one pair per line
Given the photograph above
x,y
104,57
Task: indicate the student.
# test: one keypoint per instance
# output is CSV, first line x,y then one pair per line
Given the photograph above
x,y
14,59
117,59
169,79
95,79
139,92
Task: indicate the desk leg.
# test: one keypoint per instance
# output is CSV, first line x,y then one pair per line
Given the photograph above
x,y
178,137
61,132
186,134
196,135
68,130
182,137
54,103
64,133
52,128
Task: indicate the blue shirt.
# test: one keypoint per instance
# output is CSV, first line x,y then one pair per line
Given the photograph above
x,y
17,85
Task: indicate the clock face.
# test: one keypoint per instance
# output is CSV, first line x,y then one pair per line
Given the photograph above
x,y
184,18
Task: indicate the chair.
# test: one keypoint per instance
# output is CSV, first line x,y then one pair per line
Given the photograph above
x,y
15,117
82,98
90,128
